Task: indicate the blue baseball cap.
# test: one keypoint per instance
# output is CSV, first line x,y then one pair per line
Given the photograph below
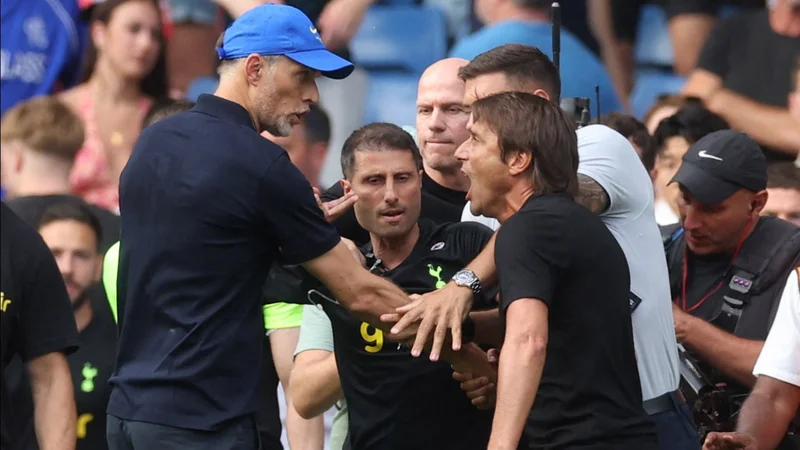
x,y
271,30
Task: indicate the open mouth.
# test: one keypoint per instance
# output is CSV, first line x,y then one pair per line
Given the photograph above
x,y
392,214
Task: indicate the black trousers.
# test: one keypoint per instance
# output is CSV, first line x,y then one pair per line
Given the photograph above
x,y
131,435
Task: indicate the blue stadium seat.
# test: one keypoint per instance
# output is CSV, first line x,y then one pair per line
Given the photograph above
x,y
653,45
400,37
201,85
649,86
392,98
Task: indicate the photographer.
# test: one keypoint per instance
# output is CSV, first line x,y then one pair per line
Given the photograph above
x,y
728,267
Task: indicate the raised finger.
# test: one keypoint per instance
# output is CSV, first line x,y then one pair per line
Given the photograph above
x,y
455,330
439,336
406,320
424,330
409,306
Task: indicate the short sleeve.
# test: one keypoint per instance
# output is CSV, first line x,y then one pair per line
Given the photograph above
x,y
299,227
778,357
609,159
716,50
48,323
522,255
316,331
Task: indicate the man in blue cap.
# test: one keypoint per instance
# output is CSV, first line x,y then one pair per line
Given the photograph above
x,y
207,207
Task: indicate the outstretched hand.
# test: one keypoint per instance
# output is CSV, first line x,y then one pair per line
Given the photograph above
x,y
335,208
436,311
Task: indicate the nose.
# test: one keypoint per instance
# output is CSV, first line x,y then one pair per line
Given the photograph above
x,y
462,152
146,39
436,122
691,219
311,93
65,265
390,193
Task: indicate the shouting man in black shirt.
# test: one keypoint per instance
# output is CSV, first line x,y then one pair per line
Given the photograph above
x,y
35,323
564,285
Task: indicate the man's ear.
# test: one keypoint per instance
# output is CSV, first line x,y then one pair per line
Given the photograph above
x,y
253,66
542,93
759,201
346,185
519,162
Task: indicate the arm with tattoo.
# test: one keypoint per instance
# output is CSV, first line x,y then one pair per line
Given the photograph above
x,y
592,195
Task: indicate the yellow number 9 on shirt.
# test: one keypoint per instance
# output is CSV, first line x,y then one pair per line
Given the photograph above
x,y
373,337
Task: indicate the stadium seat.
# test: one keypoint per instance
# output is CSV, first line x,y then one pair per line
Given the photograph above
x,y
400,37
649,86
653,44
201,85
392,98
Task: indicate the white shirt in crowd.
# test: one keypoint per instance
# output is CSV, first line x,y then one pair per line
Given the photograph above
x,y
609,159
780,357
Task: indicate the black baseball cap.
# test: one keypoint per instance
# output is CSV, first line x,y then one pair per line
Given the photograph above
x,y
721,163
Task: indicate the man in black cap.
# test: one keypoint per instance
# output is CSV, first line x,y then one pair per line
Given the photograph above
x,y
728,267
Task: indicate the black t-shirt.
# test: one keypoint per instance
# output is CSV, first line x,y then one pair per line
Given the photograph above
x,y
31,208
439,204
90,367
590,395
740,49
397,401
207,206
35,311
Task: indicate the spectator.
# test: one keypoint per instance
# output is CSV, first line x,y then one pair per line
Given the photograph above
x,y
39,140
307,146
673,137
36,324
728,267
732,81
527,22
783,187
124,72
639,137
665,106
41,49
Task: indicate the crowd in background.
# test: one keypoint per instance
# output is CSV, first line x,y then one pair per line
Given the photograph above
x,y
81,79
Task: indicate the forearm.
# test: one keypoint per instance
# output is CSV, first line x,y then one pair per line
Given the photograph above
x,y
54,403
734,356
375,296
521,364
304,433
315,386
765,417
768,125
483,265
489,327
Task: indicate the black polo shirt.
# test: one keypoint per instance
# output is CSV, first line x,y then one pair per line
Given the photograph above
x,y
35,313
207,206
590,395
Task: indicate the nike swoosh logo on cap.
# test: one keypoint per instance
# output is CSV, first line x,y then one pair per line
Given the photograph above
x,y
705,154
313,30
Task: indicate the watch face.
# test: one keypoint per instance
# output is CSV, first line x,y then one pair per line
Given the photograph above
x,y
463,278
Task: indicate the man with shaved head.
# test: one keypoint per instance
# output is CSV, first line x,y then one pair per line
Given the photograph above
x,y
441,128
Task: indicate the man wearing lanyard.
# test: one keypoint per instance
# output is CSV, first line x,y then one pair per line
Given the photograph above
x,y
207,207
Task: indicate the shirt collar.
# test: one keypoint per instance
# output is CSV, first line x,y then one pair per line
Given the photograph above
x,y
223,109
